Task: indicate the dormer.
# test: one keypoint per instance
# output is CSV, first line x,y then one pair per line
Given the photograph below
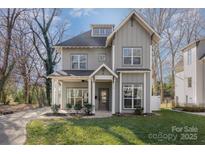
x,y
101,30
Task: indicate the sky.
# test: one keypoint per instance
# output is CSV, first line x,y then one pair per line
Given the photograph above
x,y
80,19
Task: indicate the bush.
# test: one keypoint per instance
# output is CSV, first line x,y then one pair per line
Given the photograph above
x,y
88,108
192,109
139,110
19,97
55,108
77,107
69,106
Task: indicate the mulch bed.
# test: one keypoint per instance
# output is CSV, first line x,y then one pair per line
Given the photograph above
x,y
80,114
9,109
133,114
55,114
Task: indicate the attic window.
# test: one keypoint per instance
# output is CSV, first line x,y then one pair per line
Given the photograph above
x,y
103,32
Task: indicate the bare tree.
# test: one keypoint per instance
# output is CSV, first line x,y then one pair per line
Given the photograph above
x,y
8,18
25,57
160,20
46,34
184,28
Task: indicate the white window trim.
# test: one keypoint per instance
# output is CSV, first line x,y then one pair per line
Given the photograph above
x,y
102,32
132,86
67,94
78,61
132,56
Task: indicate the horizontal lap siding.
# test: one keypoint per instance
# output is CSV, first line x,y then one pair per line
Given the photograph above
x,y
92,57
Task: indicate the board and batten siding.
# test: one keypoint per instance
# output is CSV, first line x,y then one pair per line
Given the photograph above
x,y
92,57
133,78
132,36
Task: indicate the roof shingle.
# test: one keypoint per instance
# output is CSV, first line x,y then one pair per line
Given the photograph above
x,y
84,39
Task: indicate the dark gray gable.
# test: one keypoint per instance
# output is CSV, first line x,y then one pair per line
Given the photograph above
x,y
84,39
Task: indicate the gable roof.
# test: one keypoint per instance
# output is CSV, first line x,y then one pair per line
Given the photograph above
x,y
105,66
192,44
141,21
84,39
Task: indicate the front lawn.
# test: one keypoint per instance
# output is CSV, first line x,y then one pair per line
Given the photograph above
x,y
167,128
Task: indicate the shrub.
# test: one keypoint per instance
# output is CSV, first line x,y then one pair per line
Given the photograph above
x,y
77,107
88,108
69,106
139,110
55,108
193,109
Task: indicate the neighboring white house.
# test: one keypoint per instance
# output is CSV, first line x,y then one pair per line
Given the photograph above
x,y
108,67
190,83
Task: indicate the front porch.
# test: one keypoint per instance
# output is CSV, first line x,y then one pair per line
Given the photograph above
x,y
97,89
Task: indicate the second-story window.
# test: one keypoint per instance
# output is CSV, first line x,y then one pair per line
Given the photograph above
x,y
79,62
132,56
189,57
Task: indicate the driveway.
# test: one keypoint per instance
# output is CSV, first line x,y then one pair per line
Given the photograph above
x,y
13,126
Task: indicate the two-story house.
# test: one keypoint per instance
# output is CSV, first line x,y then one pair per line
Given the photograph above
x,y
190,81
108,67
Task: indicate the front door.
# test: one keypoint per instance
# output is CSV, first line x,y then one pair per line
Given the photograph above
x,y
103,98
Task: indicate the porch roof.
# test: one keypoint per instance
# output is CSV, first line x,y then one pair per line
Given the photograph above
x,y
71,73
133,70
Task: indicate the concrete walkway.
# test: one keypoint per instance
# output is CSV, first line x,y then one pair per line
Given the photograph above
x,y
13,126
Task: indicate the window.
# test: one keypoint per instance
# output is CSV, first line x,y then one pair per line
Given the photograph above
x,y
101,31
101,57
77,95
132,96
132,56
189,57
189,82
79,62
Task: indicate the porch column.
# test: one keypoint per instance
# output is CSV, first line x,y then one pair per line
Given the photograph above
x,y
120,108
113,96
93,95
62,105
89,91
56,92
53,92
145,87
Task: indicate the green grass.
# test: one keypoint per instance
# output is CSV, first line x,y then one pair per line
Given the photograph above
x,y
117,130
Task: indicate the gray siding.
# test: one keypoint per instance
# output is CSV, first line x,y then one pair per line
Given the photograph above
x,y
133,78
93,62
132,36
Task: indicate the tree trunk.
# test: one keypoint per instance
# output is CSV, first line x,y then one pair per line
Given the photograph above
x,y
48,91
173,77
154,77
161,83
26,90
